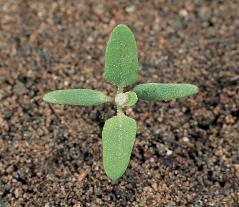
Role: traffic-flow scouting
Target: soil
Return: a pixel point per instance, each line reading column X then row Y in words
column 186, row 151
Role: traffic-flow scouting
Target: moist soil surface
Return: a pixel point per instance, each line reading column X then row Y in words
column 186, row 151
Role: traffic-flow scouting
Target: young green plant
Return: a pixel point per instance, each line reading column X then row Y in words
column 121, row 69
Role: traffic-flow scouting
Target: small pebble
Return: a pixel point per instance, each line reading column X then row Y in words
column 185, row 139
column 19, row 89
column 169, row 152
column 130, row 9
column 27, row 135
column 183, row 12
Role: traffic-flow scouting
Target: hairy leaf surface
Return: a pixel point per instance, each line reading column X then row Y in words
column 121, row 60
column 132, row 98
column 83, row 97
column 118, row 139
column 164, row 91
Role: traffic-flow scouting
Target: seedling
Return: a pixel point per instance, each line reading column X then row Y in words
column 121, row 69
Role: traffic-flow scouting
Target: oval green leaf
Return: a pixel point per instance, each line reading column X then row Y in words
column 164, row 91
column 132, row 98
column 118, row 139
column 83, row 97
column 121, row 59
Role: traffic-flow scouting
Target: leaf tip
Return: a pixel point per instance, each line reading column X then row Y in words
column 119, row 26
column 113, row 176
column 194, row 89
column 48, row 98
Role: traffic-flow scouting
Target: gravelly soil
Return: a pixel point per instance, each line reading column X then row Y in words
column 186, row 152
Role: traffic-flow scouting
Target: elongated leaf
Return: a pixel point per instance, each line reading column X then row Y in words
column 121, row 59
column 83, row 97
column 164, row 91
column 118, row 139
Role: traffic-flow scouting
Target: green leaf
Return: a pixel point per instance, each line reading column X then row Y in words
column 121, row 59
column 118, row 139
column 132, row 98
column 83, row 97
column 164, row 91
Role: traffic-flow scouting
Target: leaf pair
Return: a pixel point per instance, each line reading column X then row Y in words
column 121, row 69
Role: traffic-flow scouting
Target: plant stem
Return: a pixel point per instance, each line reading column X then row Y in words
column 119, row 108
column 110, row 99
column 120, row 89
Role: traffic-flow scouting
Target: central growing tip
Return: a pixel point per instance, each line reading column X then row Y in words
column 121, row 99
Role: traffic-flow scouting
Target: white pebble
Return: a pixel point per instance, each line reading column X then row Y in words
column 130, row 9
column 185, row 139
column 169, row 152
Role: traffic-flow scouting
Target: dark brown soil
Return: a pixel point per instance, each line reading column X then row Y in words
column 186, row 152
